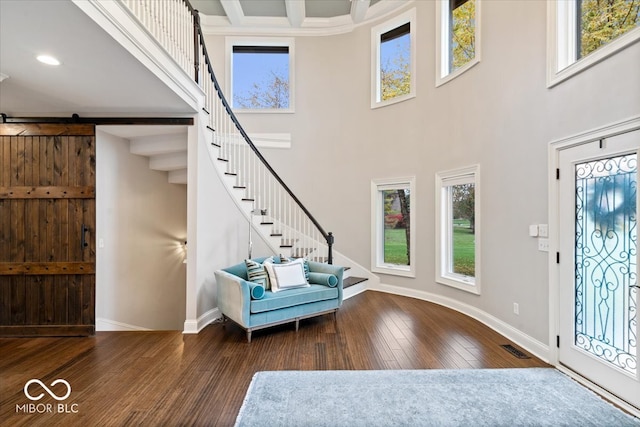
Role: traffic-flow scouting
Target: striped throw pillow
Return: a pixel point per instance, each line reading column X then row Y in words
column 257, row 274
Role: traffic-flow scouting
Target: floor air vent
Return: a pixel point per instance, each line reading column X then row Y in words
column 517, row 353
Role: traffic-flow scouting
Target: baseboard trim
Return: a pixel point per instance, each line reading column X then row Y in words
column 535, row 347
column 104, row 325
column 195, row 326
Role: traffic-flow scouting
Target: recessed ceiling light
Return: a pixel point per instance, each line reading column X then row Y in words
column 49, row 60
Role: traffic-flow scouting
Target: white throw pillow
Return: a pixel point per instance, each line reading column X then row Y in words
column 287, row 276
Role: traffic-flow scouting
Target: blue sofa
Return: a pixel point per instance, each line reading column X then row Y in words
column 235, row 299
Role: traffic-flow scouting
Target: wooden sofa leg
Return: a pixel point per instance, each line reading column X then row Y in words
column 297, row 324
column 248, row 335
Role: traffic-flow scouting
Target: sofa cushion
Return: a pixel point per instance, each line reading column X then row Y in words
column 256, row 290
column 286, row 276
column 292, row 297
column 283, row 260
column 256, row 273
column 323, row 279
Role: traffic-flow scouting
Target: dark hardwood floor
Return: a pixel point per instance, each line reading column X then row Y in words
column 170, row 379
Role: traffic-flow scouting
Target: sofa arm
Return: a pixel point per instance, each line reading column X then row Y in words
column 319, row 267
column 234, row 297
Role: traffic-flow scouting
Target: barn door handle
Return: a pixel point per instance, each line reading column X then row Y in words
column 83, row 241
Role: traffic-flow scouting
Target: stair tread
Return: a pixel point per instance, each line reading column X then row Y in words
column 266, row 223
column 222, row 160
column 239, row 187
column 353, row 280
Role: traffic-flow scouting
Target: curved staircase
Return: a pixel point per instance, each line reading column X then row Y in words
column 274, row 211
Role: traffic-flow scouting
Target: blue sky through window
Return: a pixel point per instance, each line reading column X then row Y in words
column 250, row 69
column 391, row 48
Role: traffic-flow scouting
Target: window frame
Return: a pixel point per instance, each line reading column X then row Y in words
column 443, row 43
column 444, row 235
column 288, row 42
column 377, row 226
column 408, row 17
column 562, row 33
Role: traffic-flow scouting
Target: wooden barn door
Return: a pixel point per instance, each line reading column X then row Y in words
column 47, row 226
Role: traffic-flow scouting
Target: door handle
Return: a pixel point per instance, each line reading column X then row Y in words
column 83, row 241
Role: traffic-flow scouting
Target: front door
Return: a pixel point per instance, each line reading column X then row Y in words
column 47, row 226
column 598, row 256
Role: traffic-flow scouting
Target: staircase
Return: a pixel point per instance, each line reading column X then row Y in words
column 274, row 211
column 166, row 152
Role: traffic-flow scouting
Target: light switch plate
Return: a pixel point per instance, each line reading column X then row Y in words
column 543, row 230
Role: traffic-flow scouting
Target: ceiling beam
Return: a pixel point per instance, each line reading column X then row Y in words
column 295, row 12
column 234, row 11
column 359, row 10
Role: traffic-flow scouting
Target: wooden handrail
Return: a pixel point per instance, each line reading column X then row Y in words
column 200, row 44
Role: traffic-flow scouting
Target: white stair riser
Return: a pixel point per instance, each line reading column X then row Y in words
column 168, row 162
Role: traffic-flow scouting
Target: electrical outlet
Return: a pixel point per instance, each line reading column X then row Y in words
column 516, row 308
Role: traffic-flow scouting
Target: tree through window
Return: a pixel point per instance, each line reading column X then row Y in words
column 601, row 21
column 393, row 60
column 261, row 77
column 458, row 233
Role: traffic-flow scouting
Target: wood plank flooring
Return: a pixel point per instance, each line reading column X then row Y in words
column 171, row 379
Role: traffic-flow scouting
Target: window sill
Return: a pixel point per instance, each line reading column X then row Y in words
column 622, row 42
column 394, row 270
column 460, row 71
column 392, row 101
column 459, row 283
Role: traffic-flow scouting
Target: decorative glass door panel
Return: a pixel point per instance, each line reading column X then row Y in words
column 605, row 259
column 598, row 258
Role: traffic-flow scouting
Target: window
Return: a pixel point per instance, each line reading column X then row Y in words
column 260, row 74
column 458, row 229
column 582, row 33
column 392, row 226
column 393, row 60
column 458, row 37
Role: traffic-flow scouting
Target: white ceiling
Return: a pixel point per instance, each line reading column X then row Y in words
column 98, row 77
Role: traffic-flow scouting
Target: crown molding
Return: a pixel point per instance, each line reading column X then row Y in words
column 282, row 26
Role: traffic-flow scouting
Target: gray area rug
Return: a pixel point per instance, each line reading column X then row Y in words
column 473, row 397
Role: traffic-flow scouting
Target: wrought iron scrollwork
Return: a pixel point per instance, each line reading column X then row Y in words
column 606, row 286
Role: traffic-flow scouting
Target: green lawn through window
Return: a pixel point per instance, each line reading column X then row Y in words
column 395, row 248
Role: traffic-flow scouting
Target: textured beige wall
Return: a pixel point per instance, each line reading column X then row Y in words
column 499, row 114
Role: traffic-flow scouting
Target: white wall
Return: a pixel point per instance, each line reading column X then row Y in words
column 218, row 231
column 500, row 114
column 142, row 219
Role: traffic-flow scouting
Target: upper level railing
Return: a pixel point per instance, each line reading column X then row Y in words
column 176, row 26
